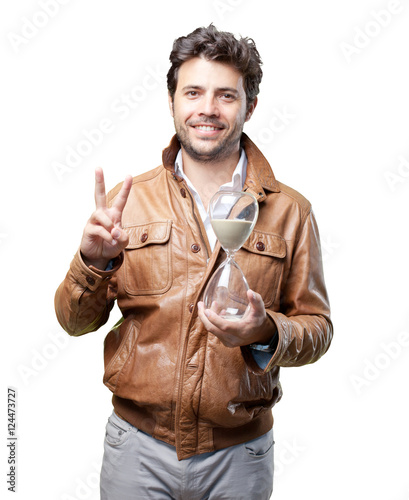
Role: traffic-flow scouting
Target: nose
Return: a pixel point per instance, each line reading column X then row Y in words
column 208, row 106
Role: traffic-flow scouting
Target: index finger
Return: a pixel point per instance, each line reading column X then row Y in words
column 100, row 196
column 122, row 196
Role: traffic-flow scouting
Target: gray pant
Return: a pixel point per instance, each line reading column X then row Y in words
column 137, row 466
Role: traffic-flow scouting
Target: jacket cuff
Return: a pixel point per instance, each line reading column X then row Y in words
column 91, row 277
column 280, row 321
column 251, row 360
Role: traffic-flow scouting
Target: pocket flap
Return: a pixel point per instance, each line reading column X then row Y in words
column 141, row 235
column 266, row 244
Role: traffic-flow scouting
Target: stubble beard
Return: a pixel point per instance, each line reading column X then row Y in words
column 221, row 150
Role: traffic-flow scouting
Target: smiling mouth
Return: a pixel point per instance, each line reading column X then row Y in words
column 206, row 128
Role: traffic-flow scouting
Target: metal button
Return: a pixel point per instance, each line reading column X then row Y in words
column 260, row 246
column 144, row 237
column 191, row 308
column 195, row 248
column 183, row 192
column 90, row 280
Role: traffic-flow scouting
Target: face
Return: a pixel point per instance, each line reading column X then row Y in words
column 209, row 109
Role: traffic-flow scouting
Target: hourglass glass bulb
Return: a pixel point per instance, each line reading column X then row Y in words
column 226, row 293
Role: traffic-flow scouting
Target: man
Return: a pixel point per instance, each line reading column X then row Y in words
column 193, row 392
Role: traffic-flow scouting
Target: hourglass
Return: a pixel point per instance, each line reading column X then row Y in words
column 233, row 215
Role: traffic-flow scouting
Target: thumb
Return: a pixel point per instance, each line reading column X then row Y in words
column 255, row 300
column 116, row 232
column 120, row 236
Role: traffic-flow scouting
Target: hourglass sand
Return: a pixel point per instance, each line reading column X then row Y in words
column 233, row 215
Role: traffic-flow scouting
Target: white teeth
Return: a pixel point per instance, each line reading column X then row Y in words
column 203, row 127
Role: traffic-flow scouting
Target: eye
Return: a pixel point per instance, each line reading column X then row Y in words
column 227, row 97
column 192, row 93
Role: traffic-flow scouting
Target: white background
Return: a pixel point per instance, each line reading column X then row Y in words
column 341, row 428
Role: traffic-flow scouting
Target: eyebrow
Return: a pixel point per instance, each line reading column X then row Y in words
column 231, row 90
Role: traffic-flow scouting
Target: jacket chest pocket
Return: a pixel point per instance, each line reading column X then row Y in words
column 148, row 263
column 262, row 261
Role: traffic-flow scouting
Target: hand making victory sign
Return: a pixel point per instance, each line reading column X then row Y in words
column 103, row 238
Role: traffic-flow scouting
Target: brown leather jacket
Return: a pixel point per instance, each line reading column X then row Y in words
column 169, row 377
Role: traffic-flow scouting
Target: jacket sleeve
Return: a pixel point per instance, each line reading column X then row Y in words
column 85, row 298
column 303, row 322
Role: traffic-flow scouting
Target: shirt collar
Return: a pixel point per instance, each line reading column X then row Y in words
column 238, row 177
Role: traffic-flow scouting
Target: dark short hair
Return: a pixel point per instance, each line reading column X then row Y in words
column 220, row 46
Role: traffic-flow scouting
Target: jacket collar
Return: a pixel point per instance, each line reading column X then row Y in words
column 260, row 176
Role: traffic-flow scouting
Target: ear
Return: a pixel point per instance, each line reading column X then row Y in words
column 251, row 109
column 170, row 101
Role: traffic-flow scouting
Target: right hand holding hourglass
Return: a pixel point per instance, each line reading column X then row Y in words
column 255, row 327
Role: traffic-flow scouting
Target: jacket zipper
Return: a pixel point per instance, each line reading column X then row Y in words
column 183, row 355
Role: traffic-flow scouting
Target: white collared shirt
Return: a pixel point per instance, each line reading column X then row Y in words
column 236, row 184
